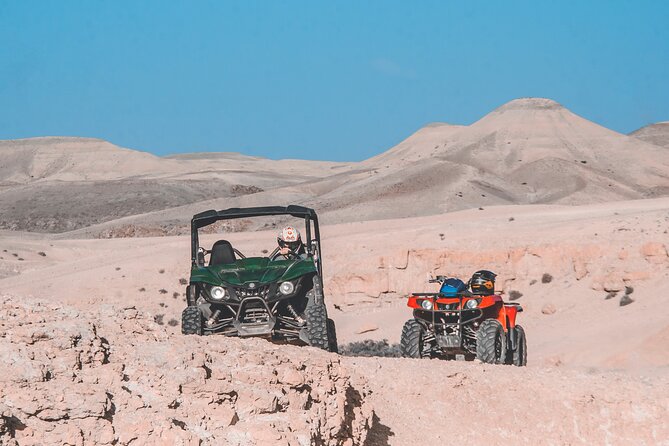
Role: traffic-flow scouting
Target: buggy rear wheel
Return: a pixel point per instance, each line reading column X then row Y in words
column 332, row 337
column 520, row 354
column 491, row 342
column 411, row 342
column 191, row 321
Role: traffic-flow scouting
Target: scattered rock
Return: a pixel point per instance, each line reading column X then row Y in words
column 548, row 309
column 367, row 328
column 515, row 295
column 611, row 295
column 626, row 300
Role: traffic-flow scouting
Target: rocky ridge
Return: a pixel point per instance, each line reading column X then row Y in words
column 117, row 377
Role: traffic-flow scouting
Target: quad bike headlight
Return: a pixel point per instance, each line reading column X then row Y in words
column 286, row 288
column 217, row 293
column 471, row 304
column 426, row 304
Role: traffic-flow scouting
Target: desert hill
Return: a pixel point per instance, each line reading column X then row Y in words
column 657, row 134
column 528, row 151
column 57, row 184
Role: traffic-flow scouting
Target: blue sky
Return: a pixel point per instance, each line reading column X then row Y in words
column 340, row 80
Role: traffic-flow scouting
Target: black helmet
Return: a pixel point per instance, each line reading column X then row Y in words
column 482, row 283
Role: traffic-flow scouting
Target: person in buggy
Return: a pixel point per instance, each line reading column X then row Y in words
column 290, row 245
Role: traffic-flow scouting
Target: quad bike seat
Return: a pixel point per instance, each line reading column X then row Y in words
column 222, row 253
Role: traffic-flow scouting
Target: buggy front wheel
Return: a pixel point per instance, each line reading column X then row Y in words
column 191, row 321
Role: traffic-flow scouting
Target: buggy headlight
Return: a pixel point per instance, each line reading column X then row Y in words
column 426, row 304
column 217, row 293
column 471, row 304
column 286, row 288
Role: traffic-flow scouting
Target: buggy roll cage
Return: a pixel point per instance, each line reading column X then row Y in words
column 209, row 217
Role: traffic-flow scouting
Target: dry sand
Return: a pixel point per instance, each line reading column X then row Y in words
column 596, row 371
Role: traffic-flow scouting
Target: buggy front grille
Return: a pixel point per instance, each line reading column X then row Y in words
column 243, row 292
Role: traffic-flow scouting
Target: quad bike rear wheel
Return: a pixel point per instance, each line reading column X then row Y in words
column 491, row 342
column 191, row 321
column 411, row 342
column 520, row 354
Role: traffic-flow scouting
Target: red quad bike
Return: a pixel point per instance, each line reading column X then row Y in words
column 464, row 319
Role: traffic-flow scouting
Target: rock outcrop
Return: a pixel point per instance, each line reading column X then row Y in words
column 116, row 377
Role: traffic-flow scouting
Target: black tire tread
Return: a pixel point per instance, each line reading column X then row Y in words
column 317, row 324
column 412, row 336
column 520, row 355
column 333, row 347
column 486, row 337
column 191, row 321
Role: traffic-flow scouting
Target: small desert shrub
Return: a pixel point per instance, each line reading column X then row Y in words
column 159, row 319
column 118, row 268
column 161, row 271
column 173, row 323
column 533, row 281
column 369, row 347
column 175, row 295
column 183, row 281
column 142, row 289
column 41, row 253
column 511, row 219
column 264, row 251
column 162, row 291
column 515, row 295
column 546, row 278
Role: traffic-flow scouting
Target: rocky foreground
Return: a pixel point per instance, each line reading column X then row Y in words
column 117, row 377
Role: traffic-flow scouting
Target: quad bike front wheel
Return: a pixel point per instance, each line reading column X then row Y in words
column 520, row 354
column 191, row 321
column 411, row 342
column 491, row 342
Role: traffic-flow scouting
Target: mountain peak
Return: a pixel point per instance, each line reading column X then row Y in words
column 530, row 104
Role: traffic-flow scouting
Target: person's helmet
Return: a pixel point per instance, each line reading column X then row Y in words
column 482, row 283
column 289, row 237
